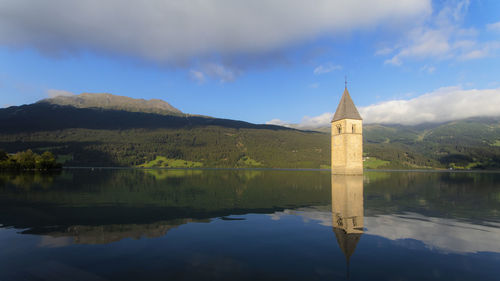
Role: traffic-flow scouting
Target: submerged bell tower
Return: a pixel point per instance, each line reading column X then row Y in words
column 347, row 138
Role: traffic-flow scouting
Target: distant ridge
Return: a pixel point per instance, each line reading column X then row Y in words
column 114, row 102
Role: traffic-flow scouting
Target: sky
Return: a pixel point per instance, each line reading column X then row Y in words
column 274, row 61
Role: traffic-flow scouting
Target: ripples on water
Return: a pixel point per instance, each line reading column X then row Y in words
column 249, row 224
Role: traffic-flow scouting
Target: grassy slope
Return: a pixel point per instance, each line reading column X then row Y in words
column 163, row 162
column 374, row 163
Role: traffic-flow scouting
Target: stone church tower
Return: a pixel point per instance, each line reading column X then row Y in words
column 347, row 138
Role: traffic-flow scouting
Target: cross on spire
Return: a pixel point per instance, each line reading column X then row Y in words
column 345, row 81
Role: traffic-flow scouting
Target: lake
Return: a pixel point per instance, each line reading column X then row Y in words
column 130, row 224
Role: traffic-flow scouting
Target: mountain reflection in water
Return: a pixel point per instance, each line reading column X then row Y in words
column 249, row 224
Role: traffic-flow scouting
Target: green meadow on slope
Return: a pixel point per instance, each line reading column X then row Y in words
column 164, row 162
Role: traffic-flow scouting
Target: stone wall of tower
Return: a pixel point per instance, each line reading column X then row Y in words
column 347, row 147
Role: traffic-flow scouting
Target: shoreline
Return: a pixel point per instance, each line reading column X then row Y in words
column 283, row 169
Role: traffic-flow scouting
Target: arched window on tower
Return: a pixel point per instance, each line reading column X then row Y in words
column 353, row 128
column 339, row 129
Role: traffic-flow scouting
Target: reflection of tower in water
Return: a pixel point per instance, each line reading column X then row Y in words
column 347, row 212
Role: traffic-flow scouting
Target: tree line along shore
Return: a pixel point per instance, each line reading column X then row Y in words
column 28, row 160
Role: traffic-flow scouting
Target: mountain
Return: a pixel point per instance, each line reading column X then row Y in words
column 472, row 143
column 101, row 135
column 108, row 130
column 109, row 101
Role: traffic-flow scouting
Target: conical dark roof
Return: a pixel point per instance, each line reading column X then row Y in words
column 346, row 108
column 347, row 241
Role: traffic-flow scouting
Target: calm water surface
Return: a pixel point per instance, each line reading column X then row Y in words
column 96, row 224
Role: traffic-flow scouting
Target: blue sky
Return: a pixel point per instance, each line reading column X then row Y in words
column 258, row 61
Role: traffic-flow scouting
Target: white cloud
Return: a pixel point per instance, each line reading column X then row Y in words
column 220, row 72
column 307, row 122
column 424, row 43
column 493, row 26
column 176, row 31
column 214, row 71
column 326, row 68
column 314, row 85
column 428, row 68
column 445, row 104
column 384, row 51
column 197, row 76
column 484, row 50
column 278, row 122
column 441, row 105
column 52, row 93
column 394, row 61
column 315, row 121
column 442, row 37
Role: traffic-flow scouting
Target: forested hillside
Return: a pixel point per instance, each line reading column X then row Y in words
column 465, row 144
column 103, row 136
